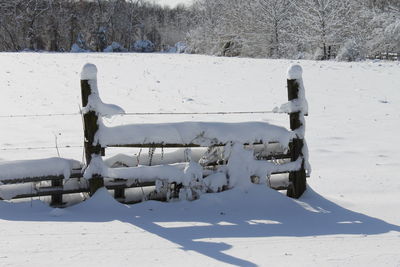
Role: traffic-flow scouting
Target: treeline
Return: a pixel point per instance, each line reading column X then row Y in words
column 56, row 25
column 319, row 29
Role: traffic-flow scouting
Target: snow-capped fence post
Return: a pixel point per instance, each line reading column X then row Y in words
column 90, row 123
column 295, row 88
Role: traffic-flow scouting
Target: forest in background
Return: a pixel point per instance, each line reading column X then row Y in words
column 310, row 29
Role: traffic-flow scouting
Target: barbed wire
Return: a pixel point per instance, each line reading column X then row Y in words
column 39, row 115
column 122, row 114
column 145, row 114
column 199, row 113
column 39, row 148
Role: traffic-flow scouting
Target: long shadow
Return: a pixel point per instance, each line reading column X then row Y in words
column 259, row 212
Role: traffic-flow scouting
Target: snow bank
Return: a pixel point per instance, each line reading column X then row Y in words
column 199, row 133
column 37, row 168
column 89, row 72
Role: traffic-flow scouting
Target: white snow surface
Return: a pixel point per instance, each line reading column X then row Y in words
column 347, row 217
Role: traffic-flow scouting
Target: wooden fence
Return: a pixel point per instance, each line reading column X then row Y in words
column 88, row 178
column 393, row 56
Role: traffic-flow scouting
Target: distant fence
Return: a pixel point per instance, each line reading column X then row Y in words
column 276, row 151
column 394, row 56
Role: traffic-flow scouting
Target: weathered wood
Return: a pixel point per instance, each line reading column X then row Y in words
column 297, row 179
column 39, row 179
column 57, row 198
column 49, row 191
column 119, row 193
column 167, row 145
column 90, row 121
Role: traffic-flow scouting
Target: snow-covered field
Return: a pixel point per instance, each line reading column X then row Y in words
column 349, row 216
column 172, row 3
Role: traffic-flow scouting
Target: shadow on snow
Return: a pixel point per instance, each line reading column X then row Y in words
column 238, row 213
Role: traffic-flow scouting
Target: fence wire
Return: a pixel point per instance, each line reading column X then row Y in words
column 39, row 148
column 145, row 114
column 122, row 114
column 39, row 115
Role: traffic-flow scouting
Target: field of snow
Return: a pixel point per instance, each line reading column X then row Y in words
column 349, row 216
column 172, row 3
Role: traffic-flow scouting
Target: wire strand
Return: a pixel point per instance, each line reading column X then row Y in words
column 38, row 115
column 144, row 114
column 198, row 113
column 38, row 148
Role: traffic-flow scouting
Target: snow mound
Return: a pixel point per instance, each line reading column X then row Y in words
column 101, row 202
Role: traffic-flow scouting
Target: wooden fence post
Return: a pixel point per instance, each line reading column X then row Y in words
column 90, row 121
column 297, row 179
column 57, row 199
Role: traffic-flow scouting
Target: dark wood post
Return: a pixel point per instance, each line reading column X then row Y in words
column 119, row 193
column 57, row 198
column 297, row 179
column 90, row 121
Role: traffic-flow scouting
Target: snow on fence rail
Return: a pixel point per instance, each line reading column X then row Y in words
column 232, row 154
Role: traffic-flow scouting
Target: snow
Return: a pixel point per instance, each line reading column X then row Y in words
column 347, row 217
column 144, row 46
column 115, row 47
column 37, row 168
column 75, row 48
column 89, row 72
column 201, row 133
column 294, row 72
column 173, row 3
column 158, row 158
column 300, row 104
column 170, row 173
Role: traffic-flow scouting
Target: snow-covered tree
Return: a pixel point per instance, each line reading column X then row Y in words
column 323, row 24
column 275, row 18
